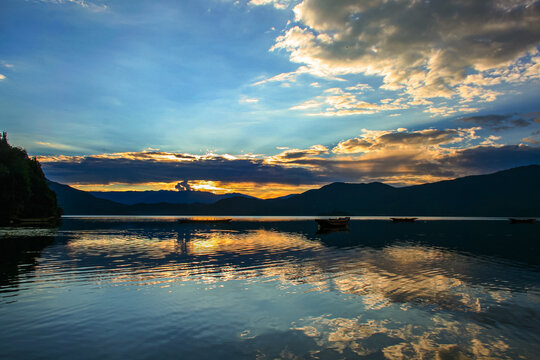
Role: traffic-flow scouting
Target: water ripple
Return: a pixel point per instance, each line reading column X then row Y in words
column 246, row 290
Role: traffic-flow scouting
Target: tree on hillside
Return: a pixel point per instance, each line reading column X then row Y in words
column 24, row 192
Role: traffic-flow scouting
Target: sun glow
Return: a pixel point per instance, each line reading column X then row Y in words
column 262, row 191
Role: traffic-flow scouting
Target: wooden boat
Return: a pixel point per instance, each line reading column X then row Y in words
column 413, row 219
column 204, row 221
column 521, row 221
column 341, row 222
column 51, row 221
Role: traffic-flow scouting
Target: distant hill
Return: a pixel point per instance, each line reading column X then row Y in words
column 24, row 192
column 513, row 192
column 162, row 196
column 77, row 202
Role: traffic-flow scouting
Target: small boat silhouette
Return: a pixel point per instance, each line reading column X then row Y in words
column 413, row 219
column 341, row 222
column 51, row 221
column 203, row 221
column 521, row 221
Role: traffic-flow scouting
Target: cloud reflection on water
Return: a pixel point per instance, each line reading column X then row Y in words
column 400, row 273
column 411, row 300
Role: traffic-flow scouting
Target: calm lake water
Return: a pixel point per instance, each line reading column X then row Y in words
column 149, row 288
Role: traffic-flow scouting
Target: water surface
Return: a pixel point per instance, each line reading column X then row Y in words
column 146, row 287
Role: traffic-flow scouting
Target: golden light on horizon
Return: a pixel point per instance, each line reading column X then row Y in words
column 262, row 191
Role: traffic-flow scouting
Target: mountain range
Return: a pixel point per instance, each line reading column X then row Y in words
column 163, row 196
column 513, row 192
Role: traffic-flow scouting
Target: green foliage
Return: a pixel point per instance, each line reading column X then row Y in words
column 24, row 192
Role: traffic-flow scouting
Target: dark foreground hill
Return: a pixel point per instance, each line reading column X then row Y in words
column 513, row 192
column 24, row 192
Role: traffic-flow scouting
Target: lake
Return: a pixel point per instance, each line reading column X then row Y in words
column 266, row 288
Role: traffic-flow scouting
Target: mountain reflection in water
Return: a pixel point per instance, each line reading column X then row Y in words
column 149, row 287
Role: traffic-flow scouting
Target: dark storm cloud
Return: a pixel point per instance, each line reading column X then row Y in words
column 398, row 167
column 425, row 137
column 183, row 186
column 297, row 154
column 500, row 122
column 487, row 159
column 106, row 170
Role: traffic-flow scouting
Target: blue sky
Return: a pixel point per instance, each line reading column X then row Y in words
column 275, row 83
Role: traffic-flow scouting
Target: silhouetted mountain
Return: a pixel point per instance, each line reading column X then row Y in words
column 162, row 196
column 23, row 190
column 513, row 192
column 77, row 202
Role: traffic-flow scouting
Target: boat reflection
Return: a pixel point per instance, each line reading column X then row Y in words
column 326, row 230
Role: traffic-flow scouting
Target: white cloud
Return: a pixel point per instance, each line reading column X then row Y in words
column 293, row 75
column 2, row 77
column 306, row 105
column 443, row 110
column 91, row 6
column 469, row 93
column 246, row 100
column 401, row 140
column 491, row 141
column 55, row 145
column 278, row 4
column 338, row 102
column 427, row 48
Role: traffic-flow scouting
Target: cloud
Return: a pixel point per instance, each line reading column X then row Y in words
column 403, row 157
column 142, row 167
column 2, row 77
column 420, row 166
column 278, row 4
column 309, row 104
column 534, row 137
column 485, row 159
column 89, row 5
column 427, row 48
column 298, row 154
column 469, row 93
column 352, row 146
column 530, row 140
column 399, row 157
column 291, row 77
column 56, row 145
column 183, row 186
column 246, row 100
column 535, row 116
column 400, row 139
column 501, row 122
column 339, row 102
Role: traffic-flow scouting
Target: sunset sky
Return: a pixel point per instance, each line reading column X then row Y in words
column 270, row 97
